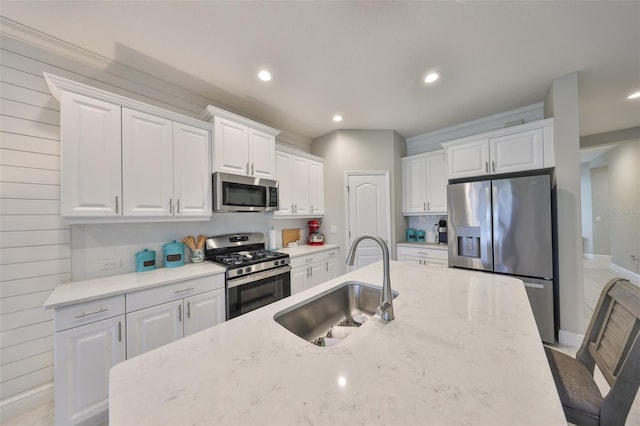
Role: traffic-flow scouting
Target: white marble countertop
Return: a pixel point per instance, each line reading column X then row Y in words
column 83, row 291
column 463, row 349
column 306, row 250
column 423, row 244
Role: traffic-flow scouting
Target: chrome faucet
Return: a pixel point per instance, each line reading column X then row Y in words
column 385, row 310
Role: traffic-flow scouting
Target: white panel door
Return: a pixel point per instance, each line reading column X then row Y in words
column 91, row 157
column 147, row 164
column 316, row 187
column 300, row 188
column 262, row 152
column 368, row 213
column 284, row 167
column 203, row 311
column 191, row 171
column 414, row 182
column 231, row 142
column 83, row 357
column 153, row 327
column 517, row 152
column 436, row 182
column 470, row 159
column 298, row 279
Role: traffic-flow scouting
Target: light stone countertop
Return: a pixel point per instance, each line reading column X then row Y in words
column 423, row 244
column 463, row 349
column 306, row 250
column 86, row 290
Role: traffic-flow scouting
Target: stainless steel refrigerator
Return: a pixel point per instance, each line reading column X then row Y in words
column 505, row 226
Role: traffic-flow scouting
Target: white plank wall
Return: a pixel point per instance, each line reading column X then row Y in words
column 35, row 251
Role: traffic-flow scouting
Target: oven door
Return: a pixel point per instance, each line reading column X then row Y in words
column 245, row 294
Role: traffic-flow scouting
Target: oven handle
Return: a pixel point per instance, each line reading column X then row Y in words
column 235, row 282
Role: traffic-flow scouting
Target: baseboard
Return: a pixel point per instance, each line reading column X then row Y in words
column 570, row 339
column 625, row 273
column 600, row 257
column 26, row 401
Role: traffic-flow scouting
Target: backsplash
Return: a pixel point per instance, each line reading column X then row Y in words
column 103, row 250
column 426, row 223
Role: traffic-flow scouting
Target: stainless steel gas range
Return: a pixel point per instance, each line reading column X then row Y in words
column 255, row 277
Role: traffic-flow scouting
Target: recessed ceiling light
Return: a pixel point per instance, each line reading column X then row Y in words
column 337, row 118
column 635, row 95
column 264, row 75
column 431, row 77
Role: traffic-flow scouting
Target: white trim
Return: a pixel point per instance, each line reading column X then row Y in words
column 56, row 84
column 570, row 339
column 625, row 273
column 387, row 183
column 211, row 111
column 598, row 257
column 431, row 141
column 26, row 401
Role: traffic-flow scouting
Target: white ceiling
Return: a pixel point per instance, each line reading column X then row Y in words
column 366, row 60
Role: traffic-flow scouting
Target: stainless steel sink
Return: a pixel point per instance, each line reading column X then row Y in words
column 311, row 319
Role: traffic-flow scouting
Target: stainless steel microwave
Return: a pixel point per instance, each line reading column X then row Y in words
column 235, row 193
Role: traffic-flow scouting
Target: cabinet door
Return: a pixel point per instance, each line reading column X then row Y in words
column 90, row 135
column 331, row 267
column 191, row 171
column 298, row 279
column 153, row 327
column 470, row 159
column 83, row 357
column 231, row 152
column 415, row 260
column 147, row 164
column 316, row 187
column 517, row 152
column 414, row 181
column 284, row 162
column 203, row 311
column 262, row 154
column 317, row 274
column 300, row 187
column 436, row 182
column 437, row 263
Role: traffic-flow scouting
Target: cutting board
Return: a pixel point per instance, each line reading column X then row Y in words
column 290, row 235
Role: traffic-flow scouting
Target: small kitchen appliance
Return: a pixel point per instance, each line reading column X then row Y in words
column 254, row 277
column 315, row 237
column 173, row 254
column 145, row 260
column 442, row 231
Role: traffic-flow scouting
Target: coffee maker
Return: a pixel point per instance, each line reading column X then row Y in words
column 442, row 231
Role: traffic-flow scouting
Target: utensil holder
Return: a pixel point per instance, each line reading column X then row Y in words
column 197, row 256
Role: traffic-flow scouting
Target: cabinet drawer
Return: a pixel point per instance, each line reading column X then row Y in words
column 88, row 312
column 423, row 252
column 166, row 293
column 299, row 261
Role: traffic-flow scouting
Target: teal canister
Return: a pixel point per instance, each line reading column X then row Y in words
column 173, row 254
column 145, row 260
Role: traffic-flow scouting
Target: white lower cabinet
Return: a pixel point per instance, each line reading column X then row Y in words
column 92, row 337
column 423, row 256
column 83, row 355
column 311, row 270
column 161, row 315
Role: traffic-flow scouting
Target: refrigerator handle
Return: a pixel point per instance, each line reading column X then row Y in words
column 497, row 235
column 487, row 237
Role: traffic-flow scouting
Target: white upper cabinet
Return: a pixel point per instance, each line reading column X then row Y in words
column 91, row 157
column 300, row 184
column 424, row 184
column 526, row 147
column 147, row 164
column 242, row 146
column 123, row 160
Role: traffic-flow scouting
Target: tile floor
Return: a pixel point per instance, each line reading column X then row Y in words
column 596, row 275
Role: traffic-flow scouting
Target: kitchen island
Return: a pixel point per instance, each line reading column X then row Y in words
column 463, row 349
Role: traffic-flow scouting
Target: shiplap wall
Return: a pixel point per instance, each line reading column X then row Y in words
column 34, row 239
